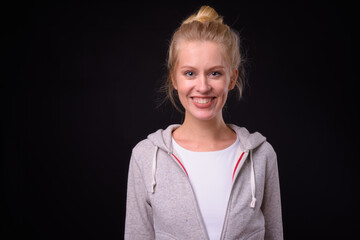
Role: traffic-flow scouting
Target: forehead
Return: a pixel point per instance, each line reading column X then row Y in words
column 200, row 53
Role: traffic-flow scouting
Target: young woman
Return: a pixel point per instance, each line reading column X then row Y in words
column 203, row 179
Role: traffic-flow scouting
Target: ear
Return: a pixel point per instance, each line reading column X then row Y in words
column 233, row 78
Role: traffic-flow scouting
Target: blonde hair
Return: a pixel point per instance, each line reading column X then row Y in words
column 207, row 25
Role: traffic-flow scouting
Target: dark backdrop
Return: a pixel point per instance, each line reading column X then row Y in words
column 79, row 89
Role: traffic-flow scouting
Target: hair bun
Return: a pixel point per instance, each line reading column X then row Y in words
column 205, row 14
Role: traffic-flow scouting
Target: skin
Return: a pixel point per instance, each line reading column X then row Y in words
column 203, row 79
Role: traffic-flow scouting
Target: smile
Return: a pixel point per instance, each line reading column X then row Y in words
column 202, row 100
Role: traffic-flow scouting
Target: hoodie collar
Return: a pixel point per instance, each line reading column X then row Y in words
column 248, row 141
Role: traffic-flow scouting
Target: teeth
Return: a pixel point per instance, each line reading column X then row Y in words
column 202, row 100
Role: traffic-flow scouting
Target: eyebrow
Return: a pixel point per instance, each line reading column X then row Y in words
column 214, row 67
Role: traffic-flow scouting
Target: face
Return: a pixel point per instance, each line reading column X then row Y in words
column 202, row 78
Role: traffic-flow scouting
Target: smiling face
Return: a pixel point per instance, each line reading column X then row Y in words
column 202, row 78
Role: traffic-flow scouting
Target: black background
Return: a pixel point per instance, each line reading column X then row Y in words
column 79, row 89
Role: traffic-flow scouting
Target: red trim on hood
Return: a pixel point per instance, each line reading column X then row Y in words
column 180, row 164
column 237, row 164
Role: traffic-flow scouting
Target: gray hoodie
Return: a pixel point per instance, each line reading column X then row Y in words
column 161, row 203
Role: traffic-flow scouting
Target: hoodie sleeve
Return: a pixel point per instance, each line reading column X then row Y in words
column 271, row 206
column 139, row 220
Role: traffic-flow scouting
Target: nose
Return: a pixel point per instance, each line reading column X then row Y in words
column 202, row 84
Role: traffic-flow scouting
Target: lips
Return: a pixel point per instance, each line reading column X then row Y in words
column 203, row 102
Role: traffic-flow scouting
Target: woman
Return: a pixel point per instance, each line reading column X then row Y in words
column 203, row 179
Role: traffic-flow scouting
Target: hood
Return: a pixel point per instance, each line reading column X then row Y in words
column 248, row 141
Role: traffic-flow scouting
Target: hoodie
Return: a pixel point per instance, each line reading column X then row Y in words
column 161, row 203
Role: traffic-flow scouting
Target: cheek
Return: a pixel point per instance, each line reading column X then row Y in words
column 183, row 86
column 221, row 88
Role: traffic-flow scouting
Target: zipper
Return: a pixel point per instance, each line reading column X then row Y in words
column 226, row 219
column 199, row 216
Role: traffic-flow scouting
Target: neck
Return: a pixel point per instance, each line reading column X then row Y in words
column 199, row 135
column 212, row 129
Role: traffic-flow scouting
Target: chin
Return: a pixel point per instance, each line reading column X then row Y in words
column 204, row 115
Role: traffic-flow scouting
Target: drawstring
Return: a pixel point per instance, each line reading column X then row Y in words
column 252, row 182
column 154, row 170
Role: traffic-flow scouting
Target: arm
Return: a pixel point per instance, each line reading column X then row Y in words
column 139, row 221
column 271, row 206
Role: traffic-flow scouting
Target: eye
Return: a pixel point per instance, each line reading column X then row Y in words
column 215, row 74
column 189, row 73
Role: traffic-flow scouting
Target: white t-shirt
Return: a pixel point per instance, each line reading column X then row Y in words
column 210, row 174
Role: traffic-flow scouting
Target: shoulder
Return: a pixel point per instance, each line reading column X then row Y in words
column 256, row 142
column 160, row 138
column 143, row 148
column 267, row 149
